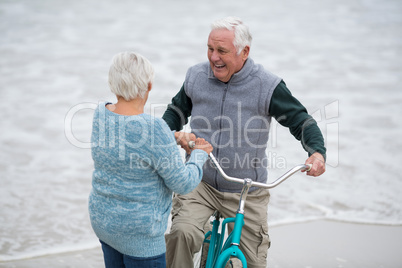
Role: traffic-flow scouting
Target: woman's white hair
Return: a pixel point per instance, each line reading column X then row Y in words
column 242, row 36
column 129, row 75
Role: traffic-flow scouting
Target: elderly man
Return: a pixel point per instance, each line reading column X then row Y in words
column 231, row 101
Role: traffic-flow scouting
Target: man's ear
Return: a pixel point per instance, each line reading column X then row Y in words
column 245, row 52
column 149, row 86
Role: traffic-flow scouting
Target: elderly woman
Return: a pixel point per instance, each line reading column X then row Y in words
column 137, row 168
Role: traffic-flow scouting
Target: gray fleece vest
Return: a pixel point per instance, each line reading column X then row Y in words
column 234, row 118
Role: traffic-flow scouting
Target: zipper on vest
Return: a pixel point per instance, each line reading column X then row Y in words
column 220, row 133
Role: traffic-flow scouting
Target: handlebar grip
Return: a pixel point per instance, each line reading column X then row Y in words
column 309, row 167
column 191, row 144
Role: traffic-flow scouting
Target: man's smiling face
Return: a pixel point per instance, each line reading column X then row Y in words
column 222, row 54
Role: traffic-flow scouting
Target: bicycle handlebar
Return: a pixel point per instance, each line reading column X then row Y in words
column 273, row 184
column 259, row 184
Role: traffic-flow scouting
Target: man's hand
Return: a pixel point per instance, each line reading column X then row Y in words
column 318, row 162
column 203, row 145
column 182, row 139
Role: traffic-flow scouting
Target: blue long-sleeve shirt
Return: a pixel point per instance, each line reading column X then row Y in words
column 137, row 167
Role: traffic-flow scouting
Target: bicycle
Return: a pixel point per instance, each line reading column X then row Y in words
column 220, row 250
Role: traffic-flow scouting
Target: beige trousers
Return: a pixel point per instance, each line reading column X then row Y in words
column 190, row 212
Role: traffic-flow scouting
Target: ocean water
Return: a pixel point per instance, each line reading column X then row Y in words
column 342, row 59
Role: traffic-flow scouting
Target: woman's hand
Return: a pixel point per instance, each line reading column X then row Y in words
column 183, row 139
column 202, row 144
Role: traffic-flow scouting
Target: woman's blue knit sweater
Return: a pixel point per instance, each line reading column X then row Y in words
column 137, row 168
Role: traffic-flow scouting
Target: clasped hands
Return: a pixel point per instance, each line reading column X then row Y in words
column 183, row 139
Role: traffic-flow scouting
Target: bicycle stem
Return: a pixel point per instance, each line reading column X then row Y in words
column 243, row 196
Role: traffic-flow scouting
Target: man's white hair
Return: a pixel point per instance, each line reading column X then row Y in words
column 242, row 36
column 129, row 75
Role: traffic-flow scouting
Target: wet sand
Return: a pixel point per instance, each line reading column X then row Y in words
column 314, row 244
column 320, row 244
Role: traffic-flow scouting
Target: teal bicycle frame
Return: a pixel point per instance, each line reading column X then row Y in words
column 220, row 252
